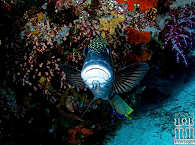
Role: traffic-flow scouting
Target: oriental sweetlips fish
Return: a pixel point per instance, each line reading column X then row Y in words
column 99, row 76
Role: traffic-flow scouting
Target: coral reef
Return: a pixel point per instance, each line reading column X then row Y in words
column 38, row 37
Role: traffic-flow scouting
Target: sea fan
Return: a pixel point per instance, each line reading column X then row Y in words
column 178, row 31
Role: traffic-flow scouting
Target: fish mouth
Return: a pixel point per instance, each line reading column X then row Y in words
column 95, row 72
column 97, row 69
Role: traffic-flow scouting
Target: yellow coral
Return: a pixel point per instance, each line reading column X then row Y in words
column 42, row 80
column 47, row 85
column 35, row 32
column 114, row 14
column 119, row 19
column 111, row 23
column 155, row 13
column 103, row 34
column 104, row 24
column 112, row 30
column 40, row 16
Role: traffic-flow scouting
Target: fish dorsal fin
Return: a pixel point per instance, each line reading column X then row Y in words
column 73, row 75
column 129, row 76
column 94, row 99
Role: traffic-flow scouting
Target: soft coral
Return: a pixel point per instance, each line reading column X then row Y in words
column 178, row 32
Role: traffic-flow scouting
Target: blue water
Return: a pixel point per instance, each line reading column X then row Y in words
column 156, row 126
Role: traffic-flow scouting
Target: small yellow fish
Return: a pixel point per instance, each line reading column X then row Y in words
column 121, row 106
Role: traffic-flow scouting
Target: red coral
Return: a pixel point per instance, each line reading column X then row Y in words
column 144, row 57
column 144, row 4
column 136, row 37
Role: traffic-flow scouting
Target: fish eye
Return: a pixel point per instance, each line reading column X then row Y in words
column 108, row 50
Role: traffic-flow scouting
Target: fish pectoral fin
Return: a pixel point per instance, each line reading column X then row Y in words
column 73, row 75
column 130, row 76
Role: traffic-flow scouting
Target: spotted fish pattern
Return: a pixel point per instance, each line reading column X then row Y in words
column 98, row 46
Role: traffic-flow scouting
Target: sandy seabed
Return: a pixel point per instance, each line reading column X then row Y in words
column 156, row 126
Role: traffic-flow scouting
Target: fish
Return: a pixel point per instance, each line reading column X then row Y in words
column 100, row 77
column 121, row 106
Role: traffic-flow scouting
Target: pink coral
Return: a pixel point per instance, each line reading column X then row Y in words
column 178, row 32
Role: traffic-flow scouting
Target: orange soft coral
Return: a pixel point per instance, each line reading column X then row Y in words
column 73, row 139
column 86, row 132
column 136, row 37
column 144, row 4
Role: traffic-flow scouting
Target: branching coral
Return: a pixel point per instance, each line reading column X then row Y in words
column 178, row 31
column 39, row 30
column 109, row 25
